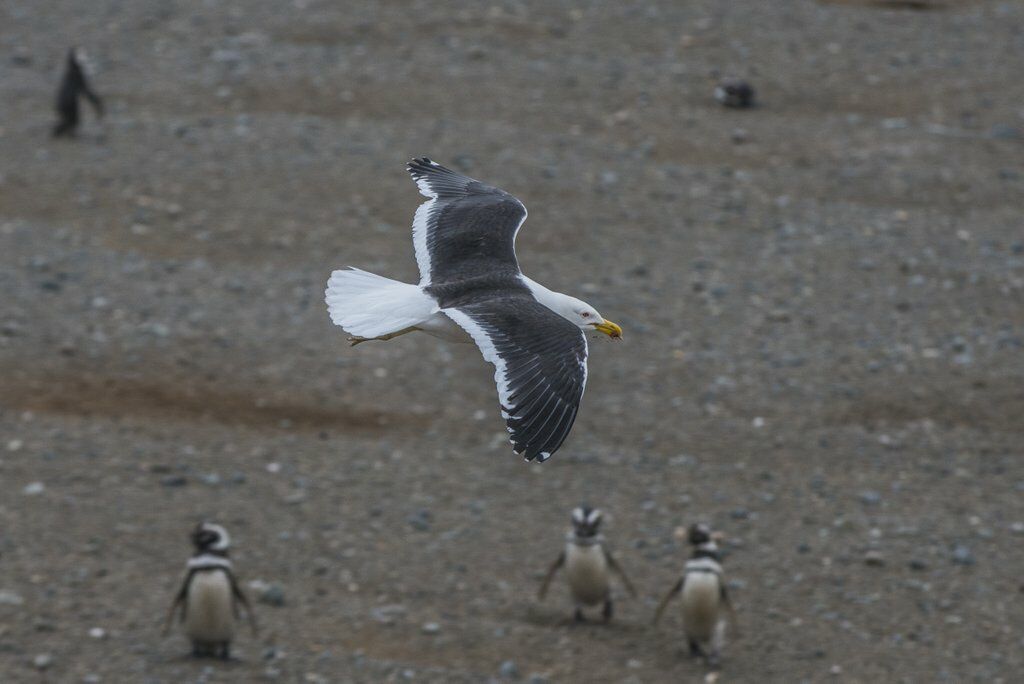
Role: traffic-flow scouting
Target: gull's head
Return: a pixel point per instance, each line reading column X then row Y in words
column 586, row 317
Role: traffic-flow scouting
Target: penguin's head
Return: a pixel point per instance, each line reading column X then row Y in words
column 210, row 538
column 586, row 521
column 700, row 533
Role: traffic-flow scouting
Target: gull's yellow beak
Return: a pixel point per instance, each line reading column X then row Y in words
column 610, row 329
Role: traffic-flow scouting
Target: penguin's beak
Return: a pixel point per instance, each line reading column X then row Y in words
column 610, row 329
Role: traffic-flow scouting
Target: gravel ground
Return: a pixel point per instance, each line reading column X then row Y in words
column 822, row 299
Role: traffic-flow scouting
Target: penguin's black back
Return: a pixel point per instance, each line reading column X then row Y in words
column 72, row 85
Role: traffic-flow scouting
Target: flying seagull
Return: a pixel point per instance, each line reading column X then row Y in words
column 471, row 288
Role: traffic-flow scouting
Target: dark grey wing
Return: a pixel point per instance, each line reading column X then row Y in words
column 466, row 228
column 540, row 367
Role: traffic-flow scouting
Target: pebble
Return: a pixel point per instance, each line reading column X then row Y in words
column 269, row 593
column 10, row 598
column 420, row 520
column 42, row 661
column 33, row 488
column 874, row 558
column 98, row 633
column 962, row 555
column 733, row 92
column 174, row 481
column 430, row 628
column 870, row 497
column 509, row 670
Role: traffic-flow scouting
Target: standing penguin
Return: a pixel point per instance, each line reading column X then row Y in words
column 72, row 85
column 209, row 597
column 704, row 599
column 588, row 565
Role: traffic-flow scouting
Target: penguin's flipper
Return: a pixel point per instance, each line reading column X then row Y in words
column 94, row 99
column 729, row 610
column 676, row 588
column 179, row 602
column 240, row 598
column 559, row 562
column 617, row 569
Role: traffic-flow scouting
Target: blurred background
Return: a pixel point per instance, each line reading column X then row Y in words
column 821, row 296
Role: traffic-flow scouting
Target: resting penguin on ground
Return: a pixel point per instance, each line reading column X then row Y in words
column 72, row 86
column 209, row 597
column 704, row 599
column 588, row 565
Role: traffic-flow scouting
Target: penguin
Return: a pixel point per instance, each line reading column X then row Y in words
column 72, row 85
column 588, row 564
column 209, row 597
column 705, row 601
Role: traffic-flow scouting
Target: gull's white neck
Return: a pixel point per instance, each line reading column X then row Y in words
column 556, row 301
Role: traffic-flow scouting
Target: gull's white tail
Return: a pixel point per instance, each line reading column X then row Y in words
column 368, row 305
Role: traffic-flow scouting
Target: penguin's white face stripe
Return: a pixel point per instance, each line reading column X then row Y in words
column 577, row 515
column 208, row 560
column 594, row 516
column 223, row 540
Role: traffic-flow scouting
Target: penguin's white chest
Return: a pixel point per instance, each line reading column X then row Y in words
column 701, row 601
column 209, row 617
column 586, row 570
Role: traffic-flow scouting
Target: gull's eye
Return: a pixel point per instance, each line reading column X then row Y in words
column 585, row 314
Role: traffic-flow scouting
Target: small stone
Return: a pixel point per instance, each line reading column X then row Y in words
column 874, row 558
column 269, row 593
column 387, row 614
column 870, row 497
column 430, row 628
column 962, row 555
column 733, row 92
column 509, row 670
column 42, row 661
column 98, row 633
column 174, row 481
column 634, row 664
column 33, row 488
column 420, row 520
column 10, row 598
column 917, row 564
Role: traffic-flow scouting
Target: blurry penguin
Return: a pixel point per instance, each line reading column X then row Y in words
column 705, row 603
column 73, row 85
column 588, row 565
column 210, row 597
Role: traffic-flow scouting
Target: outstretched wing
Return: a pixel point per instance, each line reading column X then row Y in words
column 466, row 228
column 540, row 367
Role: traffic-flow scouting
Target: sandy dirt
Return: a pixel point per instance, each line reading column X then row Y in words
column 823, row 300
